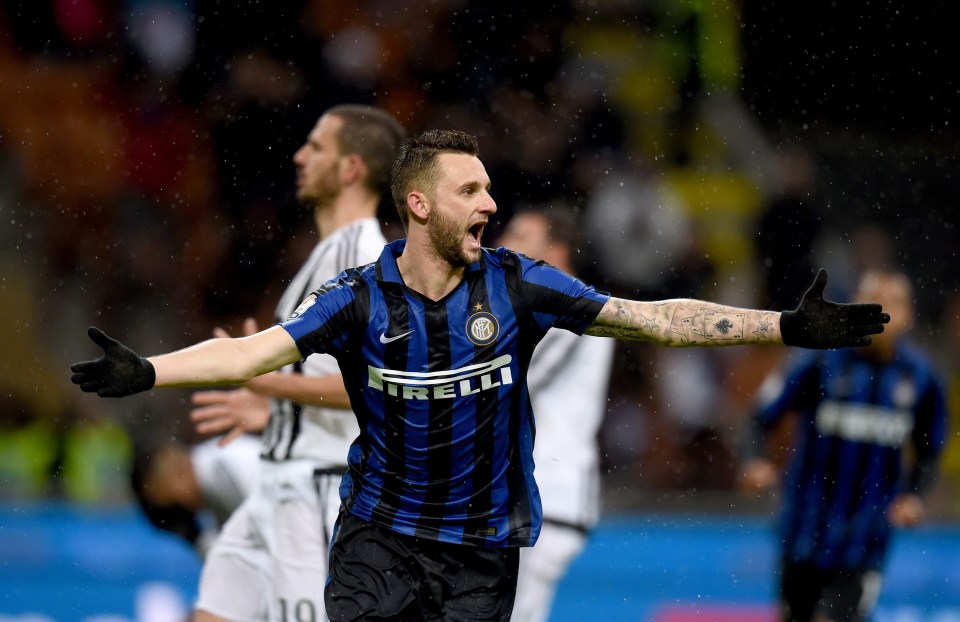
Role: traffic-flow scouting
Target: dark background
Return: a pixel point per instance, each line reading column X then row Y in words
column 152, row 195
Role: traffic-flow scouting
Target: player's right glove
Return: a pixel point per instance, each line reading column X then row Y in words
column 119, row 372
column 821, row 324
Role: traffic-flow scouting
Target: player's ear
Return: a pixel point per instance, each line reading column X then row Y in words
column 419, row 206
column 352, row 168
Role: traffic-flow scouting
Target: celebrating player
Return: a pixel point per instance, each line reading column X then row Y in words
column 434, row 341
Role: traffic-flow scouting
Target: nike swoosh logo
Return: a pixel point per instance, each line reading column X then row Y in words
column 385, row 340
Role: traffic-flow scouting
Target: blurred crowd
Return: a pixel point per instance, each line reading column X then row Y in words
column 147, row 188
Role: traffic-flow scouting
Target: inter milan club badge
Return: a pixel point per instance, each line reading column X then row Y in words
column 482, row 327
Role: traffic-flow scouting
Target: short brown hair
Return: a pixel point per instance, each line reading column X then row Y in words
column 563, row 226
column 374, row 135
column 416, row 166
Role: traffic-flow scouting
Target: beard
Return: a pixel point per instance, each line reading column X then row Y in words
column 322, row 191
column 447, row 240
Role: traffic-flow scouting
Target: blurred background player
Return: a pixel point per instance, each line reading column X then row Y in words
column 862, row 411
column 567, row 378
column 343, row 169
column 191, row 491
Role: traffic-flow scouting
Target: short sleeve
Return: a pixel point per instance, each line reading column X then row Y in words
column 558, row 299
column 323, row 321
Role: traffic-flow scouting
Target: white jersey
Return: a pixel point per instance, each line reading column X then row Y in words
column 568, row 379
column 312, row 432
column 226, row 474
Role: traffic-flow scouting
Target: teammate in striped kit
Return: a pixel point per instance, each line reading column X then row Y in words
column 568, row 379
column 858, row 411
column 343, row 170
column 434, row 341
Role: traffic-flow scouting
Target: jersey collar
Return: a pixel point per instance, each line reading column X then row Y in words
column 389, row 272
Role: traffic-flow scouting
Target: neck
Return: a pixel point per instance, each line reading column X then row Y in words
column 424, row 272
column 348, row 207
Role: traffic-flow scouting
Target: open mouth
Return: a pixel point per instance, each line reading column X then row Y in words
column 475, row 232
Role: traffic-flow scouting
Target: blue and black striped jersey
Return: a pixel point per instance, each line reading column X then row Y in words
column 439, row 389
column 856, row 419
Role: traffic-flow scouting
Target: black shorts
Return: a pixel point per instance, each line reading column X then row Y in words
column 841, row 595
column 378, row 574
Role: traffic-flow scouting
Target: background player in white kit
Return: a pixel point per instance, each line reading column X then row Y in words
column 568, row 380
column 342, row 171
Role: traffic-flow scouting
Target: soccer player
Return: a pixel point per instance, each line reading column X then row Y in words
column 858, row 410
column 343, row 170
column 434, row 341
column 568, row 379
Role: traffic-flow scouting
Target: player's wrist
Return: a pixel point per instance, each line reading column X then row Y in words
column 148, row 374
column 790, row 327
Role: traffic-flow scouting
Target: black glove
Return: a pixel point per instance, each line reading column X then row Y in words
column 119, row 372
column 818, row 323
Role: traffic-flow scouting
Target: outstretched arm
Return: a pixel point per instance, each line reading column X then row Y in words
column 327, row 391
column 685, row 322
column 221, row 361
column 815, row 323
column 246, row 409
column 120, row 371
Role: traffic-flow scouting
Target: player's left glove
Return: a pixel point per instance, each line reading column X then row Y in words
column 119, row 372
column 821, row 324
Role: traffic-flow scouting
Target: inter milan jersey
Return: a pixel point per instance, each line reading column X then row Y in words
column 439, row 390
column 856, row 419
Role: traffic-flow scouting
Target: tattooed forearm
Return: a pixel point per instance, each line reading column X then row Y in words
column 685, row 323
column 764, row 326
column 621, row 314
column 705, row 323
column 632, row 320
column 616, row 320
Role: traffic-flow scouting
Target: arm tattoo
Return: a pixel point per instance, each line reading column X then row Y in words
column 702, row 324
column 614, row 322
column 683, row 323
column 622, row 319
column 622, row 315
column 764, row 326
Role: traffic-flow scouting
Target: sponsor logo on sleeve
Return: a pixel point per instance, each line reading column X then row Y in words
column 306, row 304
